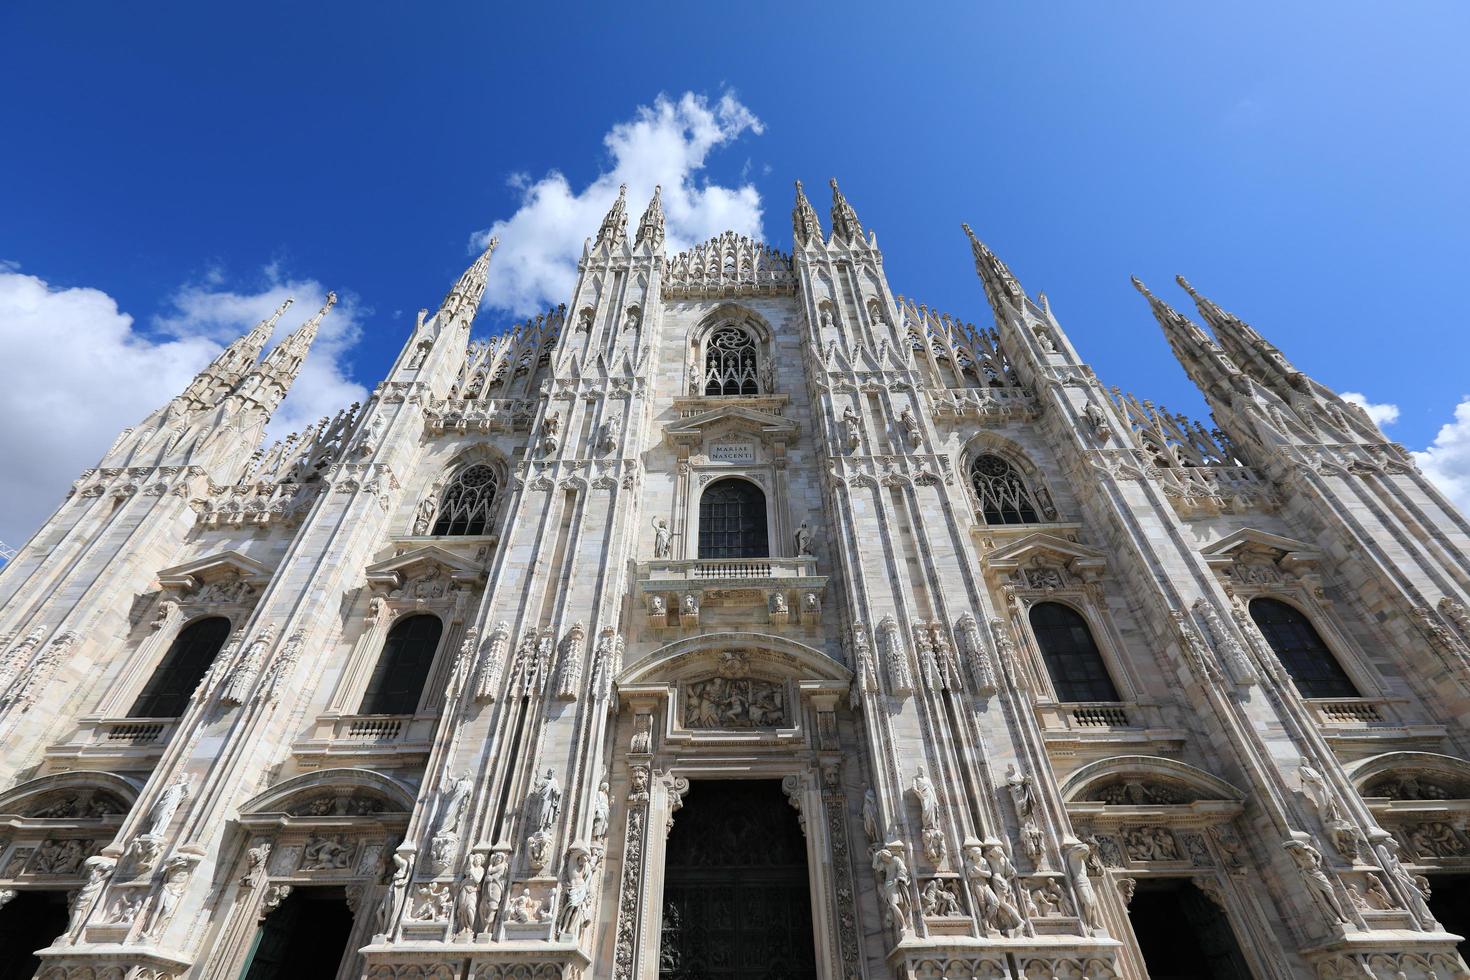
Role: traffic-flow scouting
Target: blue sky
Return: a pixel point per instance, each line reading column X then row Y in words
column 172, row 170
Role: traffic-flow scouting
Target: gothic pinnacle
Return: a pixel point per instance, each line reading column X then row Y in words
column 845, row 224
column 614, row 230
column 1000, row 285
column 806, row 229
column 651, row 227
column 232, row 363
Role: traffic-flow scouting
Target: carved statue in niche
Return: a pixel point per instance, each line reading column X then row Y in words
column 601, row 810
column 423, row 520
column 607, row 433
column 872, row 821
column 803, row 540
column 431, row 902
column 99, row 871
column 1048, row 899
column 255, row 863
column 933, row 835
column 663, row 538
column 893, row 884
column 851, row 427
column 175, row 879
column 1088, row 907
column 573, row 912
column 550, row 427
column 734, row 702
column 393, row 895
column 910, row 425
column 1019, row 785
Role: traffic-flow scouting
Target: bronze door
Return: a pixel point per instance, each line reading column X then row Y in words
column 737, row 905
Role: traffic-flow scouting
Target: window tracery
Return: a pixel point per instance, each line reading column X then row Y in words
column 1004, row 496
column 467, row 505
column 732, row 521
column 731, row 363
column 181, row 669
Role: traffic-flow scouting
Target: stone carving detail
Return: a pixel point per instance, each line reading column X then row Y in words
column 1088, row 907
column 1150, row 844
column 607, row 663
column 1139, row 792
column 663, row 538
column 524, row 908
column 144, row 848
column 1436, row 839
column 724, row 702
column 454, row 801
column 976, row 654
column 863, row 667
column 1023, row 797
column 327, row 854
column 895, row 656
column 543, row 805
column 255, row 858
column 933, row 835
column 176, row 872
column 1411, row 786
column 432, row 901
column 574, row 909
column 1308, row 862
column 1414, row 888
column 99, row 872
column 893, row 888
column 492, row 889
column 492, row 661
column 569, row 674
column 991, row 891
column 851, row 428
column 60, row 857
column 241, row 679
column 628, row 892
column 23, row 690
column 1005, row 649
column 1047, row 898
column 395, row 894
column 1346, row 839
column 1226, row 645
column 938, row 899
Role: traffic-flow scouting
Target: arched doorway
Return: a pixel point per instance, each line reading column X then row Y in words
column 305, row 937
column 28, row 922
column 1182, row 934
column 737, row 904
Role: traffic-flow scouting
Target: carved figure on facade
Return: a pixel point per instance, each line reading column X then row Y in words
column 492, row 889
column 396, row 891
column 176, row 872
column 467, row 896
column 432, row 901
column 601, row 810
column 893, row 887
column 1021, row 790
column 895, row 656
column 938, row 899
column 993, row 907
column 255, row 858
column 722, row 702
column 1308, row 861
column 323, row 853
column 851, row 428
column 1415, row 888
column 574, row 910
column 663, row 538
column 1088, row 907
column 524, row 908
column 99, row 872
column 872, row 818
column 933, row 835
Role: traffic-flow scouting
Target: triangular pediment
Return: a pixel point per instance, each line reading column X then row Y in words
column 393, row 572
column 223, row 564
column 1232, row 545
column 1041, row 546
column 737, row 418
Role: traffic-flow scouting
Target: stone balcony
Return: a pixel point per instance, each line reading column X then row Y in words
column 357, row 737
column 780, row 591
column 102, row 743
column 1085, row 727
column 1380, row 723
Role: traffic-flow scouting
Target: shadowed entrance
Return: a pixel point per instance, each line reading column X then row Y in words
column 305, row 937
column 737, row 905
column 1182, row 934
column 29, row 922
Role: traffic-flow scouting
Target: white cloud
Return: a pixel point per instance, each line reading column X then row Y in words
column 1384, row 414
column 79, row 371
column 1447, row 460
column 667, row 144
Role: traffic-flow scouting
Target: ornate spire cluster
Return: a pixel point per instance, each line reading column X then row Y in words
column 651, row 227
column 232, row 364
column 614, row 230
column 805, row 228
column 1201, row 357
column 845, row 224
column 1239, row 339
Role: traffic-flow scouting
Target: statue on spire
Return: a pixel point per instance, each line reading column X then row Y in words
column 614, row 230
column 651, row 227
column 805, row 228
column 845, row 224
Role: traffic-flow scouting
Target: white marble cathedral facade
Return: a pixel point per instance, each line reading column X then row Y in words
column 441, row 677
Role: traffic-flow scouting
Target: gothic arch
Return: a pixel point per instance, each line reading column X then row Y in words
column 675, row 659
column 1148, row 768
column 360, row 783
column 429, row 510
column 991, row 444
column 754, row 328
column 1447, row 772
column 28, row 795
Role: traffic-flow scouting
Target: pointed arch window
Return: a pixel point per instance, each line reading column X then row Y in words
column 1076, row 666
column 398, row 681
column 182, row 668
column 468, row 503
column 732, row 521
column 1004, row 496
column 730, row 363
column 1301, row 650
